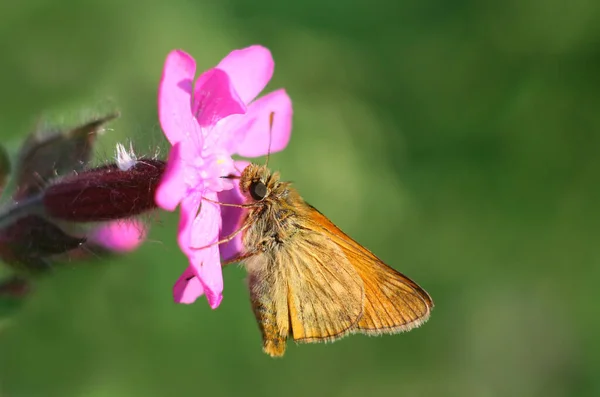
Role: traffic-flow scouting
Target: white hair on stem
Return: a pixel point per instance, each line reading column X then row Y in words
column 125, row 158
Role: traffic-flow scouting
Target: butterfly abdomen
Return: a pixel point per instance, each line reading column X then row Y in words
column 269, row 303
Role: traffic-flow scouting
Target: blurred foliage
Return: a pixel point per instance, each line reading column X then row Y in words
column 457, row 140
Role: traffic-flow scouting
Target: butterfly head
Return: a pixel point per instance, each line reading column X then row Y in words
column 258, row 183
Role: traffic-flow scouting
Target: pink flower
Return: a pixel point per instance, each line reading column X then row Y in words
column 119, row 236
column 208, row 122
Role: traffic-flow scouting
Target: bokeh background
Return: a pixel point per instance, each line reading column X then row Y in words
column 457, row 140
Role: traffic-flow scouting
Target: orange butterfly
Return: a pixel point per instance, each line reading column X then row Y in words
column 311, row 281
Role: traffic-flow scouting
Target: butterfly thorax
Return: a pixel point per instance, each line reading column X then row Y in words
column 273, row 221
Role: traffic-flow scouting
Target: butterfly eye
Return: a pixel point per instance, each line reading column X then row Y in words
column 258, row 190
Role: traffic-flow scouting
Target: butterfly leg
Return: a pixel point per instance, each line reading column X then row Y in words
column 251, row 205
column 238, row 259
column 226, row 239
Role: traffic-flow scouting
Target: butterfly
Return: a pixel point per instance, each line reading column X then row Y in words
column 308, row 280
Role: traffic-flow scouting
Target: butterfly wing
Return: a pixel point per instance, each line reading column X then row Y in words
column 392, row 302
column 325, row 292
column 317, row 284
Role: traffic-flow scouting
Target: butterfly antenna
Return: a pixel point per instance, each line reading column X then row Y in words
column 271, row 117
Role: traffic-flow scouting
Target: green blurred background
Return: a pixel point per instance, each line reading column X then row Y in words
column 457, row 140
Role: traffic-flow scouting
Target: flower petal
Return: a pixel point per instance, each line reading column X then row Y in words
column 215, row 98
column 253, row 128
column 175, row 97
column 231, row 218
column 119, row 236
column 250, row 69
column 206, row 264
column 188, row 210
column 198, row 231
column 203, row 252
column 206, row 226
column 172, row 186
column 187, row 288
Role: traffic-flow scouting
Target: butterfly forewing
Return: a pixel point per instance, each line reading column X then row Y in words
column 390, row 306
column 392, row 303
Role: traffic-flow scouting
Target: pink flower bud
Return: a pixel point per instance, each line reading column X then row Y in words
column 105, row 193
